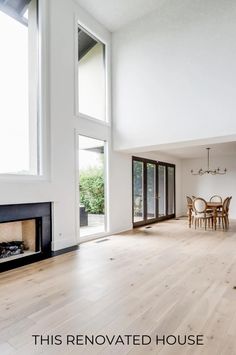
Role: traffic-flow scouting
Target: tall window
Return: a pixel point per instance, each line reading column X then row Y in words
column 91, row 76
column 92, row 186
column 18, row 87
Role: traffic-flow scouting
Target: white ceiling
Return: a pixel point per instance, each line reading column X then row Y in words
column 114, row 14
column 221, row 149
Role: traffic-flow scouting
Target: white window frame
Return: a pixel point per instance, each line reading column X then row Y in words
column 94, row 34
column 43, row 136
column 90, row 126
column 106, row 209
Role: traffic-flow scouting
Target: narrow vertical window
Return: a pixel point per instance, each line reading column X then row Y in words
column 19, row 87
column 151, row 191
column 171, row 190
column 162, row 190
column 138, row 191
column 92, row 186
column 91, row 76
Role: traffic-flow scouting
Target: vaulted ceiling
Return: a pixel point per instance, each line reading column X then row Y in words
column 114, row 14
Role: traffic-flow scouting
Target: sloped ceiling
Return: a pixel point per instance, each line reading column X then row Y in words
column 114, row 14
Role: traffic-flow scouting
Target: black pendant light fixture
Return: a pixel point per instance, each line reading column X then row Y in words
column 217, row 171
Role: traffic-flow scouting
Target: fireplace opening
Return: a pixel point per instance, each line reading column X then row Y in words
column 19, row 239
column 25, row 234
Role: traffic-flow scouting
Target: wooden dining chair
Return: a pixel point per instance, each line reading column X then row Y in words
column 201, row 214
column 216, row 198
column 189, row 200
column 229, row 200
column 223, row 215
column 189, row 209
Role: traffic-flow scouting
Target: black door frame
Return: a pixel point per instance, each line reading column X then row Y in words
column 146, row 221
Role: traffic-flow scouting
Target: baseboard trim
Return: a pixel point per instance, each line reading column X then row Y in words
column 65, row 250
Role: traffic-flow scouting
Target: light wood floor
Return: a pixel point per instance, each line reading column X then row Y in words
column 162, row 280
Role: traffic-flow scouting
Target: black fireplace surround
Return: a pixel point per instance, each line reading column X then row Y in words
column 41, row 213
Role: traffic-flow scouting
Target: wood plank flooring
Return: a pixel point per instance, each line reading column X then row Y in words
column 163, row 280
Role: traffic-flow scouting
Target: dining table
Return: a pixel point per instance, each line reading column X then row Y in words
column 214, row 206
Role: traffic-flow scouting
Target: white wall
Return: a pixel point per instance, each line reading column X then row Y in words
column 61, row 124
column 120, row 192
column 174, row 74
column 207, row 185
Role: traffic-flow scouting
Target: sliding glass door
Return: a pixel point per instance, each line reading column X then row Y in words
column 138, row 191
column 153, row 191
column 171, row 190
column 161, row 191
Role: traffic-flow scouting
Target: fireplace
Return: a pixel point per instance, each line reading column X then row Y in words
column 25, row 234
column 18, row 239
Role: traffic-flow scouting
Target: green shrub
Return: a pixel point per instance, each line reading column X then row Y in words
column 92, row 190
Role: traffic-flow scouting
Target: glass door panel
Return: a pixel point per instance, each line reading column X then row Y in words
column 151, row 191
column 138, row 191
column 92, row 209
column 161, row 191
column 171, row 190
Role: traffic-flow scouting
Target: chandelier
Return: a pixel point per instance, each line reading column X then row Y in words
column 217, row 171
